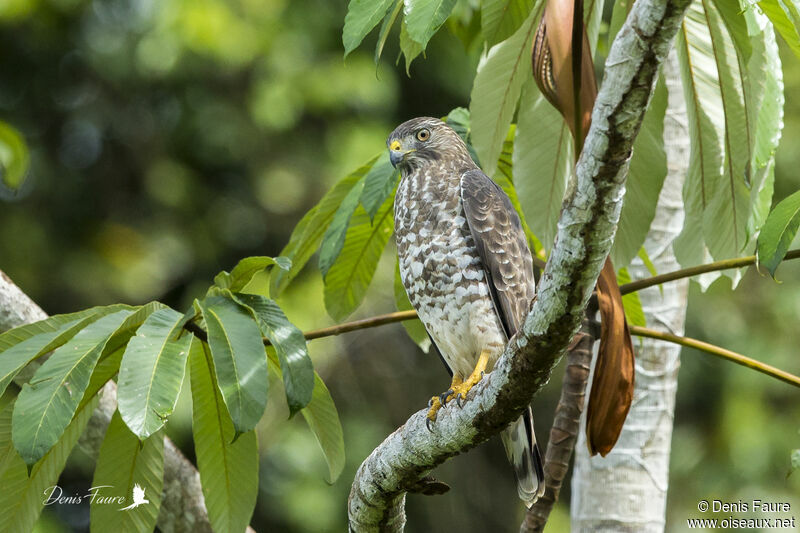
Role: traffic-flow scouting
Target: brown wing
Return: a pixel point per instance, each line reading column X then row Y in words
column 502, row 247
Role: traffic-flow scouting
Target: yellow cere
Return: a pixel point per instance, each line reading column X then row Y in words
column 395, row 145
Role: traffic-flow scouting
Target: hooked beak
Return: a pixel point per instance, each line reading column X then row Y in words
column 396, row 153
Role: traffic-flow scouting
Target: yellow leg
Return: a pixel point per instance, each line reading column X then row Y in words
column 464, row 387
column 437, row 402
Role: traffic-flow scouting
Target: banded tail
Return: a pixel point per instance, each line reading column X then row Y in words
column 523, row 453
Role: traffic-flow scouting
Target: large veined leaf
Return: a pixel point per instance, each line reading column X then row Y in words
column 501, row 18
column 778, row 232
column 646, row 173
column 634, row 313
column 7, row 451
column 240, row 362
column 228, row 468
column 15, row 358
column 414, row 328
column 23, row 495
column 297, row 369
column 125, row 465
column 723, row 94
column 593, row 16
column 152, row 371
column 378, row 184
column 323, row 419
column 14, row 157
column 785, row 16
column 333, row 240
column 409, row 47
column 362, row 16
column 496, row 90
column 349, row 277
column 47, row 403
column 245, row 269
column 308, row 233
column 543, row 162
column 424, row 17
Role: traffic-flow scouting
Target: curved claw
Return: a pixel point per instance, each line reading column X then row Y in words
column 444, row 396
column 460, row 400
column 428, row 424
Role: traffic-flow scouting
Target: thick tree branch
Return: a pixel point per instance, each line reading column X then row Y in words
column 182, row 504
column 585, row 233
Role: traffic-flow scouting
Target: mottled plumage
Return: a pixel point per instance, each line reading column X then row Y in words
column 465, row 264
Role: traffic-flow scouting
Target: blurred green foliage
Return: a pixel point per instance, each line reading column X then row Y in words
column 170, row 138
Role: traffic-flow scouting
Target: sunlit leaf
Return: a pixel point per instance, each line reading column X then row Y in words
column 648, row 168
column 378, row 184
column 152, row 371
column 333, row 240
column 362, row 16
column 409, row 47
column 414, row 328
column 496, row 90
column 46, row 404
column 349, row 277
column 785, row 17
column 248, row 267
column 323, row 419
column 124, row 463
column 634, row 313
column 13, row 359
column 501, row 18
column 290, row 346
column 306, row 237
column 14, row 157
column 423, row 18
column 228, row 468
column 778, row 232
column 543, row 162
column 240, row 362
column 23, row 496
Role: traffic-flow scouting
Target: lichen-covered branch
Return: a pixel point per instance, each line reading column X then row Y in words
column 182, row 505
column 585, row 232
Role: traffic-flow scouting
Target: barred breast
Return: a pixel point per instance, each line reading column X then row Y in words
column 442, row 272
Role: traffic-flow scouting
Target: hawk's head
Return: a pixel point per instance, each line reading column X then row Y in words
column 425, row 139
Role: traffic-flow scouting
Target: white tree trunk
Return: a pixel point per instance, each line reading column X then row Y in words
column 627, row 490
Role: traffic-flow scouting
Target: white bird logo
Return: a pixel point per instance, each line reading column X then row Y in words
column 138, row 498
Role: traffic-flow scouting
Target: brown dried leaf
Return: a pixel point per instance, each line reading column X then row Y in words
column 612, row 386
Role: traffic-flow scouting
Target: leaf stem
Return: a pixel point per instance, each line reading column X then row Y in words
column 737, row 358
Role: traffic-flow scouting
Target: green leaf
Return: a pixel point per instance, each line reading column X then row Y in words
column 349, row 277
column 7, row 451
column 333, row 241
column 228, row 468
column 386, row 27
column 240, row 361
column 414, row 328
column 631, row 302
column 308, row 233
column 151, row 372
column 378, row 184
column 459, row 120
column 778, row 232
column 784, row 16
column 14, row 157
column 648, row 168
column 795, row 458
column 651, row 268
column 123, row 464
column 496, row 90
column 47, row 403
column 248, row 267
column 543, row 162
column 593, row 16
column 409, row 47
column 13, row 359
column 618, row 16
column 290, row 346
column 362, row 16
column 323, row 419
column 423, row 18
column 501, row 18
column 23, row 496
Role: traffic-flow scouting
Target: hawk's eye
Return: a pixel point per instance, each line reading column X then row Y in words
column 423, row 135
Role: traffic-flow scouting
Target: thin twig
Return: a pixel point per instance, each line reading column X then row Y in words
column 737, row 358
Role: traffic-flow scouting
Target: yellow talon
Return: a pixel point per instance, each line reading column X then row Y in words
column 464, row 387
column 437, row 402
